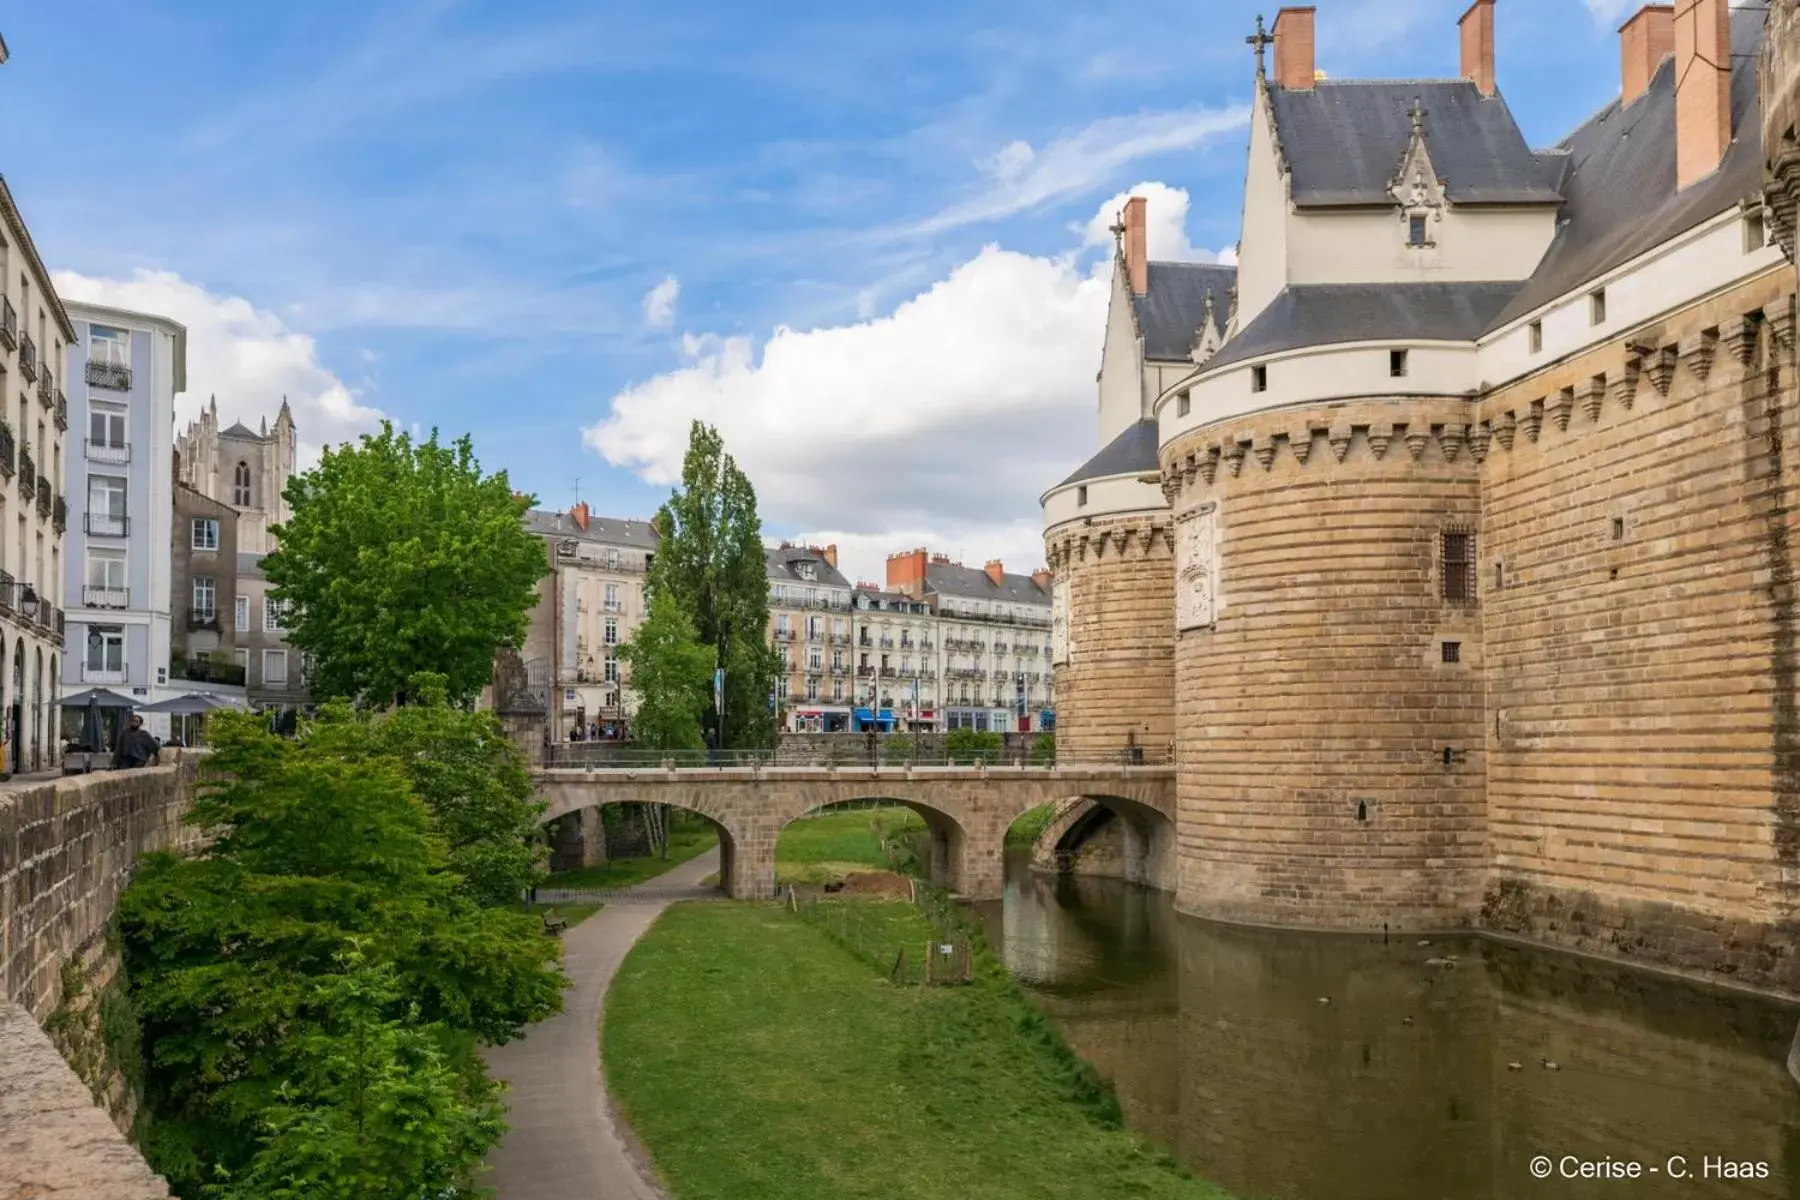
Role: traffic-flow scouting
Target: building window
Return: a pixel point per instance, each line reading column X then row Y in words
column 106, row 648
column 815, row 629
column 1618, row 529
column 106, row 429
column 206, row 533
column 241, row 614
column 612, row 597
column 837, row 691
column 611, row 636
column 1457, row 566
column 274, row 613
column 1756, row 235
column 814, row 659
column 242, row 658
column 1397, row 364
column 1534, row 334
column 106, row 505
column 812, row 691
column 274, row 668
column 240, row 485
column 1452, row 652
column 1259, row 379
column 109, row 346
column 1183, row 403
column 1081, row 496
column 781, row 623
column 1415, row 230
column 611, row 669
column 205, row 598
column 1597, row 306
column 612, row 558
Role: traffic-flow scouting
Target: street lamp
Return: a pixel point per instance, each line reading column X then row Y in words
column 28, row 598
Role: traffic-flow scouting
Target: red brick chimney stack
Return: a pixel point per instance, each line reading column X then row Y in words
column 1137, row 245
column 996, row 572
column 1644, row 41
column 1042, row 578
column 579, row 515
column 1477, row 30
column 906, row 572
column 1294, row 65
column 829, row 554
column 1702, row 88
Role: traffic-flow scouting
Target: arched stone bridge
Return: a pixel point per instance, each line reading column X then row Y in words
column 967, row 810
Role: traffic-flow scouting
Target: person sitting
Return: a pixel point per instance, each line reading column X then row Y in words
column 135, row 747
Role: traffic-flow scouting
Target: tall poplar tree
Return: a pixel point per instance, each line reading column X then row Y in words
column 710, row 560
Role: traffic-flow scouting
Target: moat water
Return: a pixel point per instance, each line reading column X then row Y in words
column 1286, row 1066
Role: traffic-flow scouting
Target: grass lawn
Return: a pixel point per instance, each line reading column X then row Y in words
column 816, row 850
column 1031, row 823
column 687, row 839
column 759, row 1060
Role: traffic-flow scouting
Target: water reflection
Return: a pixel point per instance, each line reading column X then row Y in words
column 1348, row 1068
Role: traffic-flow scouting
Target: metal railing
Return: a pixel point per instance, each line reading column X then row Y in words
column 59, row 514
column 898, row 751
column 9, row 324
column 27, row 472
column 203, row 618
column 8, row 451
column 102, row 596
column 103, row 674
column 62, row 410
column 114, row 377
column 47, row 388
column 107, row 452
column 46, row 494
column 28, row 358
column 202, row 670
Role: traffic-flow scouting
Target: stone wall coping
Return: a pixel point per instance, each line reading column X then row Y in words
column 850, row 773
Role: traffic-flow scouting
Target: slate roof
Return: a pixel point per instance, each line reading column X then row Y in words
column 1621, row 191
column 1132, row 452
column 1170, row 313
column 1321, row 314
column 609, row 531
column 950, row 579
column 243, row 433
column 1343, row 141
column 782, row 561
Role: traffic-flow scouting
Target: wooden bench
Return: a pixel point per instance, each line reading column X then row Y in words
column 553, row 923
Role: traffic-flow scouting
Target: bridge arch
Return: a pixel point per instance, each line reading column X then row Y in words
column 585, row 802
column 1130, row 840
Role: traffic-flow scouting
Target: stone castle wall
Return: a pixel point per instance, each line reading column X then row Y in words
column 1638, row 513
column 1330, row 757
column 1115, row 688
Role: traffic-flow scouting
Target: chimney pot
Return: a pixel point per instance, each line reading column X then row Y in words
column 1644, row 41
column 1041, row 577
column 1294, row 64
column 1477, row 31
column 1137, row 245
column 1702, row 88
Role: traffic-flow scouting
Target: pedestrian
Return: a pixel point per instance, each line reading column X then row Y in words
column 593, row 731
column 135, row 747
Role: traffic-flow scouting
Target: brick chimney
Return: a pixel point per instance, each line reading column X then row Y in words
column 1137, row 245
column 906, row 572
column 1644, row 41
column 1042, row 578
column 1294, row 48
column 1702, row 88
column 1477, row 29
column 996, row 572
column 829, row 554
column 579, row 515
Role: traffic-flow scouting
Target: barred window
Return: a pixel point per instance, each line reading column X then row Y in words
column 1457, row 566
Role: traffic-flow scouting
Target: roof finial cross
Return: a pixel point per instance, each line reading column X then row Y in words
column 1258, row 41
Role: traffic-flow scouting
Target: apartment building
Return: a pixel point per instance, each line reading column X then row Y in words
column 993, row 635
column 589, row 605
column 35, row 332
column 810, row 619
column 896, row 649
column 124, row 371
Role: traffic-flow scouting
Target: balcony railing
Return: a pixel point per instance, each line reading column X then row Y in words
column 108, row 452
column 9, row 324
column 7, row 591
column 62, row 622
column 107, row 525
column 887, row 643
column 8, row 452
column 90, row 674
column 112, row 376
column 101, row 596
column 47, row 388
column 27, row 473
column 62, row 410
column 28, row 358
column 865, row 672
column 203, row 618
column 59, row 514
column 784, row 635
column 204, row 670
column 612, row 606
column 46, row 495
column 840, row 639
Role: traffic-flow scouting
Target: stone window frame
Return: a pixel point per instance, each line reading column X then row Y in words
column 1466, row 566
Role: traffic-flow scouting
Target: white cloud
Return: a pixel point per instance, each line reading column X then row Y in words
column 1609, row 12
column 245, row 356
column 944, row 419
column 659, row 304
column 1021, row 177
column 1165, row 224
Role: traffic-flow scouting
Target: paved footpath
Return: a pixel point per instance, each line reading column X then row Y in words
column 564, row 1144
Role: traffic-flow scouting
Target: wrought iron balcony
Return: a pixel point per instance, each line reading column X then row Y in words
column 203, row 618
column 28, row 358
column 108, row 452
column 27, row 473
column 102, row 596
column 9, row 324
column 46, row 495
column 8, row 452
column 865, row 672
column 107, row 525
column 47, row 388
column 7, row 591
column 114, row 377
column 784, row 635
column 62, row 626
column 887, row 643
column 203, row 670
column 59, row 514
column 62, row 410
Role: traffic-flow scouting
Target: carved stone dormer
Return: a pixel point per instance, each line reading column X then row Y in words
column 1417, row 188
column 1208, row 338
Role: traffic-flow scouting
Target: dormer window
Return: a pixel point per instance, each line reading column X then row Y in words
column 807, row 571
column 1415, row 230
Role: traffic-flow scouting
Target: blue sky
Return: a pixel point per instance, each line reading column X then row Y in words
column 855, row 236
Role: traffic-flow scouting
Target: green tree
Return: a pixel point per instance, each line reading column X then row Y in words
column 969, row 746
column 671, row 674
column 710, row 559
column 402, row 557
column 320, row 854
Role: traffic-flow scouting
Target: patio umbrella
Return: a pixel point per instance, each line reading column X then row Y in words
column 184, row 706
column 93, row 737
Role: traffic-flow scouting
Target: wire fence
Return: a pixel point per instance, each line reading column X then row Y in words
column 922, row 944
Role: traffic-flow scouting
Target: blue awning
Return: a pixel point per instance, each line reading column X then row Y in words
column 863, row 714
